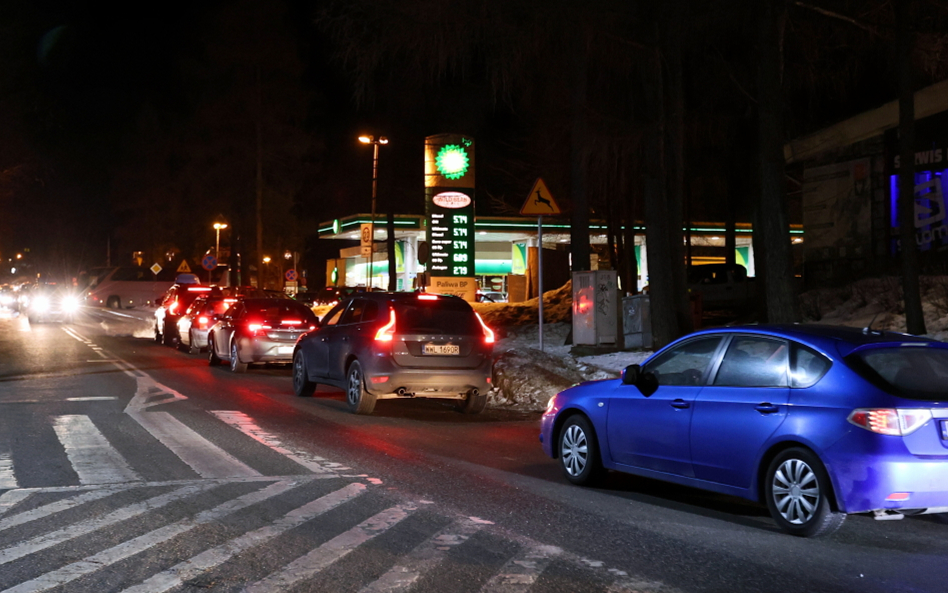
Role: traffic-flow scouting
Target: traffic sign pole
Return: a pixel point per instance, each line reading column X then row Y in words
column 540, row 272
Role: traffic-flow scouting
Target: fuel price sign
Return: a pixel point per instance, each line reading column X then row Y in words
column 451, row 232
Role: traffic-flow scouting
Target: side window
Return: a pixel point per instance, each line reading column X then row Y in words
column 354, row 313
column 686, row 363
column 234, row 312
column 332, row 318
column 753, row 361
column 807, row 366
column 371, row 311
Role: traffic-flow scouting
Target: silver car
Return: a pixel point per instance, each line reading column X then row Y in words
column 258, row 330
column 197, row 321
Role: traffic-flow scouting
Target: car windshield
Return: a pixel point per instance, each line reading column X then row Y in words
column 436, row 316
column 911, row 371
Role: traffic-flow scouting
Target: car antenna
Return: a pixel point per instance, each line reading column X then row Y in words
column 868, row 329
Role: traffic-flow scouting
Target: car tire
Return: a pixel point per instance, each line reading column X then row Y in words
column 473, row 404
column 158, row 338
column 192, row 346
column 212, row 358
column 799, row 495
column 235, row 365
column 302, row 386
column 578, row 452
column 360, row 401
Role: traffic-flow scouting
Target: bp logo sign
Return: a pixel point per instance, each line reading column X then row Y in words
column 452, row 161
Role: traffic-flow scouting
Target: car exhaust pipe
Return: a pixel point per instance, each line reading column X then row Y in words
column 401, row 392
column 475, row 392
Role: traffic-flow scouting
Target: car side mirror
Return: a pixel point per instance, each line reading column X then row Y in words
column 644, row 381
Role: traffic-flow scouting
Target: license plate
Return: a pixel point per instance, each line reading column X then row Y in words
column 442, row 349
column 284, row 349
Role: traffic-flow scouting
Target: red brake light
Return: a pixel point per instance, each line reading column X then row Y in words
column 292, row 322
column 488, row 332
column 255, row 327
column 386, row 333
column 896, row 422
column 427, row 297
column 172, row 307
column 199, row 289
column 203, row 320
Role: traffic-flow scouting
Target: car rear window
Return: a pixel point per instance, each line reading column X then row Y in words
column 280, row 309
column 913, row 372
column 446, row 316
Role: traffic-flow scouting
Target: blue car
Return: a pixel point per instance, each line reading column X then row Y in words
column 817, row 422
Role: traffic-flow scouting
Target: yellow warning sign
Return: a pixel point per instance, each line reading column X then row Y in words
column 183, row 268
column 540, row 201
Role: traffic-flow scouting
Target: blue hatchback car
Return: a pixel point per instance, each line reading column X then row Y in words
column 817, row 422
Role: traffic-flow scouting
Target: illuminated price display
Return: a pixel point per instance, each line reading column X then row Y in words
column 450, row 232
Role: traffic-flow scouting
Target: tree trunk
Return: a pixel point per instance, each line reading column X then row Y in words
column 579, row 231
column 675, row 163
column 773, row 217
column 914, row 318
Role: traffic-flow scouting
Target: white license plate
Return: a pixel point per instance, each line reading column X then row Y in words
column 442, row 349
column 284, row 349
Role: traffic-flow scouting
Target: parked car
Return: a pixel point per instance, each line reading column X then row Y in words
column 332, row 295
column 51, row 302
column 384, row 345
column 816, row 422
column 170, row 309
column 491, row 296
column 194, row 325
column 258, row 330
column 722, row 286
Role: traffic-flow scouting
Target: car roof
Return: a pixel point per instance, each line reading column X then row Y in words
column 842, row 339
column 398, row 296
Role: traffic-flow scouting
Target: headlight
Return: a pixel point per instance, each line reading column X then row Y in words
column 41, row 304
column 550, row 404
column 70, row 304
column 6, row 299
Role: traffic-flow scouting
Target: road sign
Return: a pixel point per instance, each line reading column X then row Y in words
column 184, row 268
column 290, row 275
column 155, row 268
column 540, row 201
column 209, row 262
column 367, row 236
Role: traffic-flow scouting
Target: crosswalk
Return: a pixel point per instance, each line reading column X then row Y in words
column 102, row 524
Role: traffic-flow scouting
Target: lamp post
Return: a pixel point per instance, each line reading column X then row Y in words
column 375, row 142
column 266, row 273
column 218, row 226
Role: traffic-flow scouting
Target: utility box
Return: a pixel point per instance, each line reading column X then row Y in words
column 595, row 308
column 636, row 322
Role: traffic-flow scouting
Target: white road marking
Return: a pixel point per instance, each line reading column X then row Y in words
column 91, row 455
column 423, row 558
column 246, row 425
column 208, row 559
column 92, row 398
column 146, row 541
column 522, row 571
column 321, row 557
column 7, row 477
column 58, row 506
column 11, row 498
column 48, row 540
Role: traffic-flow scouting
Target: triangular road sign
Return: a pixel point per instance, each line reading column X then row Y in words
column 184, row 268
column 540, row 201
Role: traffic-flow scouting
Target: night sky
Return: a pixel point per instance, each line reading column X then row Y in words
column 136, row 131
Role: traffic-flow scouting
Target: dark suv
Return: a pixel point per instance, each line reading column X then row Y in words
column 388, row 345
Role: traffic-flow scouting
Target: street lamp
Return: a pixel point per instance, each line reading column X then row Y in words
column 218, row 226
column 266, row 273
column 375, row 184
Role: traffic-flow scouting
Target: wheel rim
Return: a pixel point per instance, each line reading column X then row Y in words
column 574, row 450
column 233, row 356
column 796, row 491
column 354, row 393
column 298, row 371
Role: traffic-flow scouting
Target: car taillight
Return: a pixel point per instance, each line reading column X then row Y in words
column 202, row 320
column 386, row 333
column 292, row 322
column 256, row 328
column 172, row 307
column 427, row 297
column 488, row 332
column 891, row 421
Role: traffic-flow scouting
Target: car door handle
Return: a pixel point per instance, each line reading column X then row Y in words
column 324, row 339
column 767, row 408
column 680, row 404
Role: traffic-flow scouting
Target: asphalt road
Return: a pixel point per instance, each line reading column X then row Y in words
column 126, row 465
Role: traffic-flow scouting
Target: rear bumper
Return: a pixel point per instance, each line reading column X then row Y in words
column 384, row 378
column 864, row 480
column 264, row 350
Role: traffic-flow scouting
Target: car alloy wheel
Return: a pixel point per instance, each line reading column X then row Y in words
column 212, row 358
column 578, row 452
column 798, row 495
column 158, row 339
column 192, row 345
column 235, row 364
column 360, row 401
column 302, row 386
